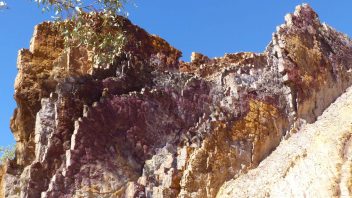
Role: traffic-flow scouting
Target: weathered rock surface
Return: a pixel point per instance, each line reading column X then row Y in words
column 153, row 126
column 317, row 161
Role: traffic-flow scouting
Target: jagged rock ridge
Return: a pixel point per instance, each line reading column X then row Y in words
column 153, row 126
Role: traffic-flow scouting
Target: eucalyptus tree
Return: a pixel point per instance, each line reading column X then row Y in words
column 93, row 24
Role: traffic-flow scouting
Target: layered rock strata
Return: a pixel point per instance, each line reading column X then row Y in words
column 151, row 125
column 318, row 161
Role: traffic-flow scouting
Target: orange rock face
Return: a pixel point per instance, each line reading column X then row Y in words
column 150, row 125
column 33, row 83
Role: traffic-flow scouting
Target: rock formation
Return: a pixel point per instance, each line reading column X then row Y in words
column 150, row 125
column 317, row 161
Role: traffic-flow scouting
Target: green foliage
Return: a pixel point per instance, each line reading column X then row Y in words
column 94, row 26
column 97, row 32
column 70, row 8
column 7, row 153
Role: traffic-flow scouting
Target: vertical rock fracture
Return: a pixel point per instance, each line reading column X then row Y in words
column 150, row 125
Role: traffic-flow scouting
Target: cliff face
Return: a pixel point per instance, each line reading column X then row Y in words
column 318, row 161
column 153, row 126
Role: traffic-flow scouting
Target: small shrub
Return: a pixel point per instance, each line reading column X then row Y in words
column 7, row 153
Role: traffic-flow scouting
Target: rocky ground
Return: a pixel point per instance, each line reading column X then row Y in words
column 150, row 125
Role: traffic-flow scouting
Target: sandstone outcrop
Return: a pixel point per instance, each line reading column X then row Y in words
column 150, row 125
column 317, row 161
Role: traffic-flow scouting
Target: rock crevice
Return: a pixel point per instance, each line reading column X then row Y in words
column 151, row 125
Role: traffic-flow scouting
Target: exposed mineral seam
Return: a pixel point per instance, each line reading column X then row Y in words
column 153, row 126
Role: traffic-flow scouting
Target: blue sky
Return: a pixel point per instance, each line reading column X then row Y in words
column 207, row 26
